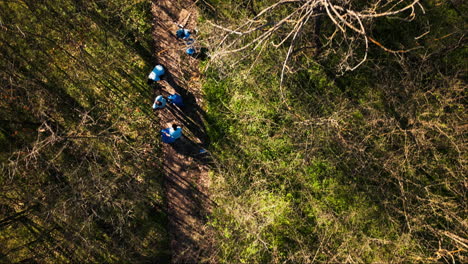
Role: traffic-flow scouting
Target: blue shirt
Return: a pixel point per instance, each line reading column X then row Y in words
column 183, row 33
column 156, row 73
column 175, row 134
column 161, row 99
column 166, row 138
column 190, row 51
column 176, row 99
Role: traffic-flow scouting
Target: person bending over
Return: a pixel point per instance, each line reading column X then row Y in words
column 156, row 74
column 159, row 102
column 170, row 134
column 175, row 99
column 183, row 33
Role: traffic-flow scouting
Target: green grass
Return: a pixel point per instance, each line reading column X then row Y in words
column 329, row 169
column 84, row 151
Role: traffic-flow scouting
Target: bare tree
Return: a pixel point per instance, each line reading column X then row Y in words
column 350, row 23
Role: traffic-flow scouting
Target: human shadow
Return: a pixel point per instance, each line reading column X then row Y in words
column 202, row 54
column 197, row 129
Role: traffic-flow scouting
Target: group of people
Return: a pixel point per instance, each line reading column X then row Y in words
column 174, row 132
column 184, row 34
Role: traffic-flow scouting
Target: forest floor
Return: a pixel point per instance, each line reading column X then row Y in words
column 185, row 168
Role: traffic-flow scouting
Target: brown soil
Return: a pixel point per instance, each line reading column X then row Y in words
column 185, row 169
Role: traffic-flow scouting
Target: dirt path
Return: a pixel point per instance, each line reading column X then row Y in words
column 184, row 167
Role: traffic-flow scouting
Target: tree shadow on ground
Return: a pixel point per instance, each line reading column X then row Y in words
column 193, row 191
column 184, row 167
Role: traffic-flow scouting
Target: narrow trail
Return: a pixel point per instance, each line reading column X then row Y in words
column 185, row 169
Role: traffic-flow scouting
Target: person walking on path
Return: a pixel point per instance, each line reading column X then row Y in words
column 159, row 102
column 170, row 134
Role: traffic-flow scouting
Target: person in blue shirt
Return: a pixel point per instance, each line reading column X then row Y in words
column 170, row 134
column 190, row 51
column 175, row 99
column 156, row 74
column 159, row 102
column 183, row 33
